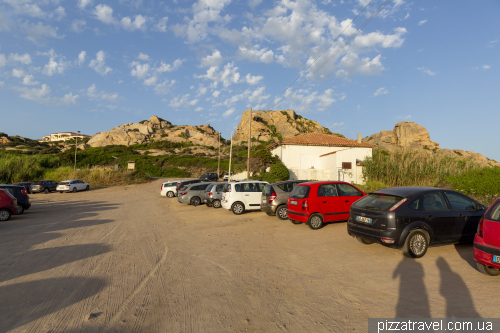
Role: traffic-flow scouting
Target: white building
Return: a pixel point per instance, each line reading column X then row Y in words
column 317, row 156
column 63, row 136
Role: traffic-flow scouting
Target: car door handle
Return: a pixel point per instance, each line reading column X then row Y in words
column 347, row 201
column 324, row 201
column 247, row 195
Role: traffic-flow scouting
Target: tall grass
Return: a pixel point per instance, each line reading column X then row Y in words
column 413, row 167
column 18, row 168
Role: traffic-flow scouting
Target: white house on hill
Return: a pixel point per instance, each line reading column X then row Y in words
column 317, row 156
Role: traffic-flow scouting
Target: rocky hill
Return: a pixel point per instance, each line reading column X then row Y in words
column 275, row 125
column 409, row 135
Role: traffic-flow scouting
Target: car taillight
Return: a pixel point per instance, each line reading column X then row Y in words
column 272, row 197
column 396, row 206
column 24, row 191
column 210, row 194
column 184, row 193
column 161, row 188
column 388, row 240
column 480, row 227
column 305, row 205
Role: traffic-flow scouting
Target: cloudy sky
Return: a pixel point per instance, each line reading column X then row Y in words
column 90, row 65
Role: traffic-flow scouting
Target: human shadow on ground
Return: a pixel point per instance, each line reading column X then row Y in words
column 40, row 260
column 413, row 301
column 458, row 299
column 25, row 302
column 465, row 251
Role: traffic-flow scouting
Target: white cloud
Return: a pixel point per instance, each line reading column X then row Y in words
column 139, row 23
column 216, row 93
column 78, row 25
column 376, row 38
column 23, row 59
column 69, row 99
column 486, row 66
column 212, row 60
column 38, row 32
column 336, row 125
column 81, row 57
column 139, row 70
column 227, row 76
column 169, row 68
column 28, row 81
column 422, row 22
column 228, row 112
column 162, row 24
column 83, row 3
column 202, row 91
column 104, row 14
column 163, row 88
column 380, row 91
column 18, row 73
column 198, row 109
column 151, row 81
column 57, row 63
column 93, row 94
column 351, row 65
column 253, row 79
column 35, row 94
column 254, row 3
column 305, row 101
column 182, row 101
column 426, row 71
column 254, row 54
column 3, row 60
column 60, row 12
column 143, row 56
column 98, row 64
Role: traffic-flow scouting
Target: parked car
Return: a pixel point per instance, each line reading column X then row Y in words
column 211, row 176
column 8, row 205
column 73, row 185
column 26, row 185
column 274, row 198
column 241, row 196
column 414, row 218
column 188, row 182
column 45, row 186
column 168, row 189
column 315, row 203
column 487, row 241
column 213, row 195
column 226, row 176
column 20, row 193
column 192, row 194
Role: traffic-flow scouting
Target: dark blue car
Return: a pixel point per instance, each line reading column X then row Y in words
column 20, row 193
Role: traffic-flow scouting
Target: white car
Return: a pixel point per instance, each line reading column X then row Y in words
column 72, row 185
column 168, row 188
column 241, row 196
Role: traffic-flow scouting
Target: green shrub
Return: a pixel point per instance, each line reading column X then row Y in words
column 485, row 181
column 164, row 135
column 175, row 172
column 277, row 173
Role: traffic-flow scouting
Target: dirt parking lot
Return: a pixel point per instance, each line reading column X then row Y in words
column 124, row 259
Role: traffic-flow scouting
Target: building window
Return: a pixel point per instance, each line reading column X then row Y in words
column 346, row 165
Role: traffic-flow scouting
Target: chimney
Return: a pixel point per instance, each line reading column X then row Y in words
column 359, row 138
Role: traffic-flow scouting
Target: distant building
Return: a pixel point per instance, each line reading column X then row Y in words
column 63, row 136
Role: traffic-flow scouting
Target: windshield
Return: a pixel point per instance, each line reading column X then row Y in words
column 300, row 192
column 376, row 201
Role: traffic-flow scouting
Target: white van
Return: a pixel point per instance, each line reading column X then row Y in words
column 168, row 188
column 244, row 195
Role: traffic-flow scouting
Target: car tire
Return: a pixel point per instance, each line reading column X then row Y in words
column 491, row 271
column 364, row 241
column 20, row 209
column 5, row 215
column 315, row 221
column 238, row 208
column 195, row 201
column 296, row 222
column 46, row 191
column 281, row 212
column 61, row 192
column 74, row 189
column 170, row 194
column 216, row 204
column 416, row 243
column 87, row 188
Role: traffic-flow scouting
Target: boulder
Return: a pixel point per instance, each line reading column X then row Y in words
column 4, row 139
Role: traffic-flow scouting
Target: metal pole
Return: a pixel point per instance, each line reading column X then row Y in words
column 76, row 143
column 218, row 163
column 249, row 143
column 230, row 155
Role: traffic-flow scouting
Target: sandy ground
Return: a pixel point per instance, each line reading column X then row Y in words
column 125, row 259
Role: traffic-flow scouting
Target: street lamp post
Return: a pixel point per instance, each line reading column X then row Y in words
column 76, row 145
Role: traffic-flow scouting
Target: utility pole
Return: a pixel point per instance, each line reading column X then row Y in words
column 218, row 163
column 249, row 143
column 230, row 155
column 76, row 145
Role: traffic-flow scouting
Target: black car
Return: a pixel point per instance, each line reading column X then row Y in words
column 45, row 186
column 20, row 193
column 412, row 218
column 212, row 176
column 187, row 182
column 26, row 185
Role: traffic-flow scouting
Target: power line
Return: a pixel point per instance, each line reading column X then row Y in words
column 333, row 54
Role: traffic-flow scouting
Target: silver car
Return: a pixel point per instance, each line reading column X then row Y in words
column 213, row 195
column 192, row 194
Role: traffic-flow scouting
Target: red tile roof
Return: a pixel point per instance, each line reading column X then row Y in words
column 320, row 139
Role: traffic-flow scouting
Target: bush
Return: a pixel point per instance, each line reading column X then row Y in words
column 174, row 172
column 277, row 173
column 482, row 182
column 19, row 168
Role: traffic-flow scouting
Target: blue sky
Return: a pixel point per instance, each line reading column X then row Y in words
column 90, row 65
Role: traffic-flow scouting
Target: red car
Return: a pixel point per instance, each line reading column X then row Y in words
column 487, row 241
column 8, row 205
column 315, row 203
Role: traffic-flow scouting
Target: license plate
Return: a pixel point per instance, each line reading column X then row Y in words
column 496, row 259
column 363, row 219
column 264, row 201
column 293, row 202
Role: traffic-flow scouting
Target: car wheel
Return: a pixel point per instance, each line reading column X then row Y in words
column 5, row 214
column 87, row 188
column 364, row 241
column 195, row 201
column 238, row 208
column 315, row 221
column 20, row 209
column 281, row 212
column 296, row 222
column 46, row 191
column 170, row 194
column 416, row 244
column 488, row 270
column 216, row 204
column 74, row 189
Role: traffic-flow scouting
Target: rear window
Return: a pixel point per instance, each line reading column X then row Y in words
column 287, row 187
column 227, row 187
column 267, row 190
column 493, row 213
column 63, row 183
column 377, row 202
column 300, row 192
